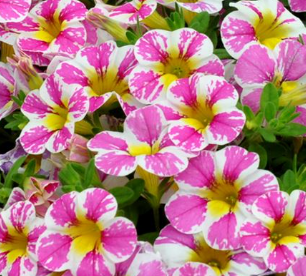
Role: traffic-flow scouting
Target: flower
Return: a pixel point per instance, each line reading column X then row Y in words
column 284, row 66
column 216, row 193
column 102, row 72
column 278, row 230
column 297, row 5
column 186, row 252
column 7, row 90
column 82, row 232
column 194, row 269
column 167, row 56
column 205, row 112
column 298, row 268
column 53, row 112
column 52, row 27
column 19, row 231
column 13, row 11
column 144, row 261
column 258, row 22
column 143, row 143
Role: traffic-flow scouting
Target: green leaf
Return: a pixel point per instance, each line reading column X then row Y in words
column 8, row 182
column 137, row 185
column 4, row 194
column 149, row 237
column 286, row 113
column 289, row 182
column 200, row 22
column 132, row 37
column 222, row 53
column 69, row 177
column 267, row 135
column 30, row 168
column 132, row 213
column 269, row 95
column 261, row 151
column 270, row 111
column 89, row 173
column 16, row 121
column 292, row 129
column 122, row 194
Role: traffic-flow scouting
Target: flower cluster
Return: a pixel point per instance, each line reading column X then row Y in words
column 152, row 137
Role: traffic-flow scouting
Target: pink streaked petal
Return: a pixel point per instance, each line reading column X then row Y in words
column 152, row 47
column 78, row 105
column 299, row 267
column 167, row 162
column 290, row 55
column 238, row 162
column 297, row 6
column 34, row 137
column 60, row 139
column 108, row 140
column 236, row 32
column 224, row 233
column 51, row 91
column 297, row 207
column 125, row 61
column 194, row 269
column 119, row 238
column 255, row 238
column 21, row 215
column 7, row 73
column 62, row 213
column 128, row 103
column 16, row 195
column 271, row 206
column 251, row 97
column 14, row 10
column 71, row 11
column 243, row 262
column 146, row 124
column 23, row 266
column 29, row 42
column 118, row 163
column 211, row 65
column 3, row 261
column 225, row 127
column 146, row 85
column 98, row 204
column 283, row 256
column 46, row 9
column 187, row 137
column 169, row 112
column 70, row 73
column 255, row 185
column 37, row 229
column 256, row 66
column 186, row 212
column 34, row 107
column 53, row 251
column 94, row 264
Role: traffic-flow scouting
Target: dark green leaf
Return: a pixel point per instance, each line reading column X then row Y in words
column 261, row 151
column 8, row 182
column 122, row 194
column 292, row 129
column 270, row 111
column 269, row 94
column 267, row 135
column 200, row 22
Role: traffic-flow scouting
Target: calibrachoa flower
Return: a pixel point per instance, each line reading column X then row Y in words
column 143, row 143
column 279, row 230
column 144, row 261
column 13, row 10
column 194, row 269
column 84, row 236
column 167, row 56
column 7, row 89
column 53, row 112
column 52, row 27
column 102, row 72
column 19, row 231
column 187, row 252
column 216, row 193
column 284, row 66
column 297, row 5
column 205, row 112
column 298, row 268
column 258, row 22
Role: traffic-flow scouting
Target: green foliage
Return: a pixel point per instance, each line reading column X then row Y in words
column 176, row 20
column 16, row 121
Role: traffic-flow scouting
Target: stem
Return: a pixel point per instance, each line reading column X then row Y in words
column 294, row 163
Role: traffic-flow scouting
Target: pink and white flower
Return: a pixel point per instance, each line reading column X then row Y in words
column 53, row 112
column 216, row 193
column 7, row 90
column 19, row 231
column 143, row 143
column 298, row 268
column 278, row 230
column 202, row 110
column 283, row 66
column 102, row 72
column 13, row 10
column 52, row 27
column 190, row 253
column 82, row 232
column 297, row 5
column 144, row 261
column 258, row 22
column 167, row 56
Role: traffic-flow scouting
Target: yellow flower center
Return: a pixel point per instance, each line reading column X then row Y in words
column 270, row 30
column 218, row 260
column 57, row 119
column 177, row 67
column 16, row 245
column 86, row 236
column 143, row 149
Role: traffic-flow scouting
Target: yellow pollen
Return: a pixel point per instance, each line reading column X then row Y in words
column 57, row 119
column 177, row 67
column 143, row 149
column 269, row 30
